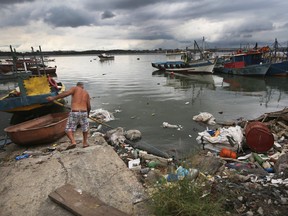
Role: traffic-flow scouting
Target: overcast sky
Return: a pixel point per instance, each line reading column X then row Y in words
column 140, row 24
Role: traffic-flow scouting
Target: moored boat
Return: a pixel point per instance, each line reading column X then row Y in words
column 198, row 66
column 278, row 60
column 43, row 70
column 247, row 64
column 190, row 63
column 278, row 69
column 30, row 94
column 105, row 56
column 45, row 129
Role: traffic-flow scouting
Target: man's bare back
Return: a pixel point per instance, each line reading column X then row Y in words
column 80, row 98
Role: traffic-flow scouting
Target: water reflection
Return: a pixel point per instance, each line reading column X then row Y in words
column 6, row 86
column 266, row 89
column 243, row 83
column 227, row 82
column 187, row 81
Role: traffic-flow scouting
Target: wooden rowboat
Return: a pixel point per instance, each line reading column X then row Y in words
column 45, row 129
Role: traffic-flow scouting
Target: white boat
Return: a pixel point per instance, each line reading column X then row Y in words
column 104, row 56
column 200, row 62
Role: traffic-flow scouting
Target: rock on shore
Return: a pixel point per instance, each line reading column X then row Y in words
column 98, row 170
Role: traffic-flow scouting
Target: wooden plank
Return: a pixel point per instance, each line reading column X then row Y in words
column 81, row 203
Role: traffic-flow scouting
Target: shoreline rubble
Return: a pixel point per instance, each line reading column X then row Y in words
column 259, row 181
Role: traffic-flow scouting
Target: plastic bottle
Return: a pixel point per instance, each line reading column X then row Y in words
column 20, row 157
column 152, row 164
column 171, row 168
column 258, row 158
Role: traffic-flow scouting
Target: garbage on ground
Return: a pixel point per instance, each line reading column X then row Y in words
column 133, row 163
column 133, row 135
column 230, row 138
column 167, row 125
column 102, row 115
column 205, row 117
column 20, row 157
column 115, row 136
column 258, row 137
column 163, row 161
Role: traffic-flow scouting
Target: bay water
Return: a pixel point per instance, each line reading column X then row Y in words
column 142, row 98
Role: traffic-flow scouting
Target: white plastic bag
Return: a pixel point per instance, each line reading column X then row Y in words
column 205, row 117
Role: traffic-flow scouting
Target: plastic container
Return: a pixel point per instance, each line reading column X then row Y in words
column 227, row 153
column 20, row 157
column 258, row 137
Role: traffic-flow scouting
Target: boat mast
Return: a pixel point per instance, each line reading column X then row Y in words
column 14, row 59
column 42, row 60
column 201, row 53
column 35, row 61
column 276, row 46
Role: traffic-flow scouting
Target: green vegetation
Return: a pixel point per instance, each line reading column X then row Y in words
column 186, row 198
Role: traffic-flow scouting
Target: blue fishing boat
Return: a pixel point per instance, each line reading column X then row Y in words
column 279, row 61
column 247, row 64
column 278, row 69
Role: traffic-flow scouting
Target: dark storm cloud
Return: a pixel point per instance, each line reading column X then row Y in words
column 107, row 15
column 14, row 1
column 163, row 22
column 67, row 17
column 119, row 4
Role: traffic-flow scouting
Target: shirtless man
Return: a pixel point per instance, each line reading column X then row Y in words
column 80, row 109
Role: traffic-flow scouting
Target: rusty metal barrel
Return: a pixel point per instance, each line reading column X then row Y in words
column 258, row 137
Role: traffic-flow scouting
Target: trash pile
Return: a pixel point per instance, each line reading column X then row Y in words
column 261, row 141
column 255, row 163
column 247, row 162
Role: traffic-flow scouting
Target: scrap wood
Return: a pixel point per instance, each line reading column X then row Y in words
column 282, row 124
column 282, row 114
column 79, row 202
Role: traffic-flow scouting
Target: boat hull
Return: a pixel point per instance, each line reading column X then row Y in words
column 250, row 70
column 278, row 69
column 181, row 67
column 42, row 130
